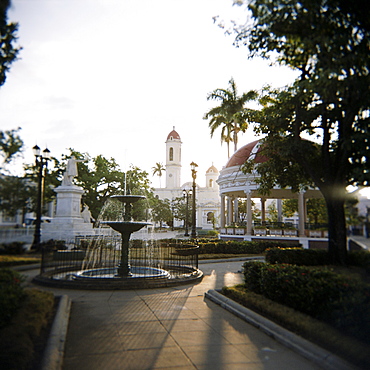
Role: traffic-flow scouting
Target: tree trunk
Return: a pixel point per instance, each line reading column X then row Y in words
column 337, row 228
column 235, row 139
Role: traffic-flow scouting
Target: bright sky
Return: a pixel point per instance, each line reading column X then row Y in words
column 113, row 77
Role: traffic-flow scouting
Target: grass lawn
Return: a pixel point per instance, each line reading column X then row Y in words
column 16, row 260
column 202, row 257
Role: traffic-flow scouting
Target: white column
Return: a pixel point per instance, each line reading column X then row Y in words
column 249, row 212
column 263, row 210
column 222, row 210
column 279, row 209
column 301, row 214
column 229, row 211
column 236, row 213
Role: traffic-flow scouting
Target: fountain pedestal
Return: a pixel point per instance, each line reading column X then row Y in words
column 68, row 221
column 126, row 228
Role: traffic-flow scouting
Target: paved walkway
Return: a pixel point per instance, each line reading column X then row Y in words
column 361, row 240
column 169, row 328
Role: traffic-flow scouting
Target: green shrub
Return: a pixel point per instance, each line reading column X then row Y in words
column 19, row 338
column 322, row 294
column 360, row 258
column 314, row 257
column 11, row 294
column 12, row 248
column 50, row 245
column 297, row 256
column 234, row 247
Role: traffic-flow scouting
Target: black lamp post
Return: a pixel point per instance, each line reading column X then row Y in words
column 41, row 160
column 186, row 193
column 194, row 220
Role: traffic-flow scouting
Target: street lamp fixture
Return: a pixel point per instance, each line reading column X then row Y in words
column 193, row 235
column 187, row 193
column 41, row 161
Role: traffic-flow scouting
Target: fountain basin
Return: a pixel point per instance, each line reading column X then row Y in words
column 126, row 226
column 128, row 198
column 136, row 272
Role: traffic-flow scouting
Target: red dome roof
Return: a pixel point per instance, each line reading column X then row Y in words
column 251, row 150
column 174, row 135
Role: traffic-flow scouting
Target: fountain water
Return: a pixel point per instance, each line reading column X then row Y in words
column 125, row 227
column 106, row 262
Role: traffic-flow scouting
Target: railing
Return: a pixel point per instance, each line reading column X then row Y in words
column 9, row 235
column 260, row 231
column 105, row 252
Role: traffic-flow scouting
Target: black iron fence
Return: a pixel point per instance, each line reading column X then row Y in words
column 105, row 253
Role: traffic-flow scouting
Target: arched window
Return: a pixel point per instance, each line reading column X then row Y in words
column 211, row 183
column 210, row 217
column 171, row 154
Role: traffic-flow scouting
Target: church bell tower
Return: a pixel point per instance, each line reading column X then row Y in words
column 173, row 160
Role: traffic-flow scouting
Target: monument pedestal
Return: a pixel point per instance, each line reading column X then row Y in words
column 68, row 221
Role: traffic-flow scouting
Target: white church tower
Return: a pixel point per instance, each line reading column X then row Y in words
column 211, row 177
column 173, row 160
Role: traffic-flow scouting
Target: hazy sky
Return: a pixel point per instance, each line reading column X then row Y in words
column 113, row 77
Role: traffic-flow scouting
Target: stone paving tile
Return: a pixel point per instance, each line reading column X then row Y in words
column 164, row 358
column 275, row 356
column 215, row 356
column 198, row 338
column 147, row 341
column 88, row 345
column 134, row 327
column 169, row 328
column 182, row 325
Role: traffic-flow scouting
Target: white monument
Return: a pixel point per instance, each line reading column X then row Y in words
column 69, row 221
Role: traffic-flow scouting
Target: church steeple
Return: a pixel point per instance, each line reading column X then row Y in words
column 173, row 159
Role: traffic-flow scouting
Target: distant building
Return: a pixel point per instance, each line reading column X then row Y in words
column 207, row 197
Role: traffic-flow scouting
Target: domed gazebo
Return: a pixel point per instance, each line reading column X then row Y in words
column 234, row 184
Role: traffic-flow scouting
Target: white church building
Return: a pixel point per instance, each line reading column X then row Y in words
column 208, row 204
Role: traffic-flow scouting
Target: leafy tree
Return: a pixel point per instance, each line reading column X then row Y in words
column 158, row 169
column 231, row 115
column 101, row 178
column 272, row 212
column 327, row 43
column 242, row 212
column 352, row 216
column 161, row 211
column 52, row 178
column 180, row 209
column 316, row 210
column 11, row 144
column 15, row 193
column 8, row 36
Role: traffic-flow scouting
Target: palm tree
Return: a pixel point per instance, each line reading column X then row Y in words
column 158, row 169
column 230, row 115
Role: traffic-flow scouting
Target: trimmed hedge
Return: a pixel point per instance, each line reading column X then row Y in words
column 219, row 246
column 19, row 338
column 313, row 257
column 11, row 294
column 360, row 258
column 235, row 247
column 12, row 248
column 338, row 300
column 297, row 256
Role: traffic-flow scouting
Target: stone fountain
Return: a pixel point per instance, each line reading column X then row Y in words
column 126, row 228
column 107, row 263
